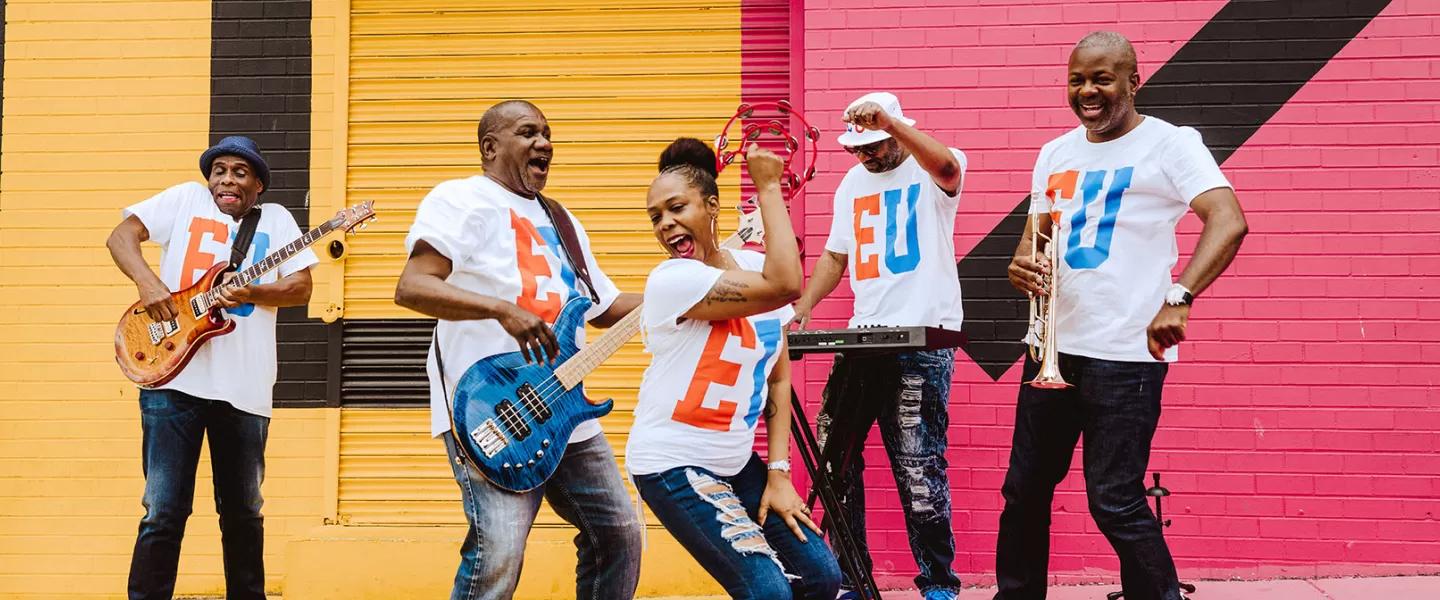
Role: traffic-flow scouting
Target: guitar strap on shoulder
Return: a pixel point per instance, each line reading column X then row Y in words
column 241, row 247
column 569, row 242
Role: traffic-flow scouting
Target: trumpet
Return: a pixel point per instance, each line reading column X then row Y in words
column 1042, row 313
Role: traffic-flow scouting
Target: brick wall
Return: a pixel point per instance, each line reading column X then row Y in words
column 1301, row 428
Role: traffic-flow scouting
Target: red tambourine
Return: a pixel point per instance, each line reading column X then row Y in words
column 795, row 180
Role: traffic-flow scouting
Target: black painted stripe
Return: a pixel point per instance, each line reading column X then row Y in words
column 1227, row 81
column 260, row 87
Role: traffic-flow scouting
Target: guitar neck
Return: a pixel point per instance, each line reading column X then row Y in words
column 574, row 371
column 270, row 263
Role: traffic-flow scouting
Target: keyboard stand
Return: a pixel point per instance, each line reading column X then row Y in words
column 847, row 552
column 840, row 449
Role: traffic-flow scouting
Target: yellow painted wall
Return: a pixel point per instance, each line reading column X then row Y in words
column 106, row 104
column 617, row 80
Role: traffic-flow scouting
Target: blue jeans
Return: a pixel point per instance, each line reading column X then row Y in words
column 908, row 394
column 174, row 425
column 714, row 518
column 586, row 490
column 1116, row 406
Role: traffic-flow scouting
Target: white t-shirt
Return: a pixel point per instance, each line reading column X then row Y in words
column 1119, row 202
column 898, row 229
column 238, row 367
column 503, row 246
column 706, row 387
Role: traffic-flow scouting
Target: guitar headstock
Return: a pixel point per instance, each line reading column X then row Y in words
column 751, row 229
column 360, row 215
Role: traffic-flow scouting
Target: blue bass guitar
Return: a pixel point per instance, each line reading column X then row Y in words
column 514, row 419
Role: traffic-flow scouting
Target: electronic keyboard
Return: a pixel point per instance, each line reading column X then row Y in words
column 875, row 339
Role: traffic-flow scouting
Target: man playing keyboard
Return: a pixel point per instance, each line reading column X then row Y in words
column 893, row 228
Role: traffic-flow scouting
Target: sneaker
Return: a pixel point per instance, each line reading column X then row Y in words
column 939, row 595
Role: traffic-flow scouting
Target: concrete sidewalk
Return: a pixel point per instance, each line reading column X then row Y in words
column 1371, row 588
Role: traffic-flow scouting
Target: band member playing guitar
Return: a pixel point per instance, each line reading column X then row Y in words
column 1119, row 183
column 224, row 393
column 486, row 259
column 893, row 228
column 713, row 320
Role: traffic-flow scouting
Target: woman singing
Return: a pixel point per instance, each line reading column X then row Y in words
column 714, row 320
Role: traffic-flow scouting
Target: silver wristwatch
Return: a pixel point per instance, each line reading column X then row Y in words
column 780, row 465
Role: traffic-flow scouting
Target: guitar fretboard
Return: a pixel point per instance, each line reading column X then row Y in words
column 271, row 262
column 573, row 371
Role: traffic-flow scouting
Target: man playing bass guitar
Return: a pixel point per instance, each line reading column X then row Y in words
column 224, row 393
column 486, row 260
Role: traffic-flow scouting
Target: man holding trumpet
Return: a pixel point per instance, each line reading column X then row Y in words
column 1105, row 200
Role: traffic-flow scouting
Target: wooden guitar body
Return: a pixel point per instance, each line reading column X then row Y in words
column 151, row 354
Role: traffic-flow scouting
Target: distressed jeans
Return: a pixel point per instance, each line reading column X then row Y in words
column 174, row 425
column 1116, row 406
column 586, row 490
column 908, row 394
column 713, row 517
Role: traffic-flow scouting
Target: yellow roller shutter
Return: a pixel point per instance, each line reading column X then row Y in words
column 617, row 80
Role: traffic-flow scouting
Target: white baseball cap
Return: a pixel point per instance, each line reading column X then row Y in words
column 858, row 136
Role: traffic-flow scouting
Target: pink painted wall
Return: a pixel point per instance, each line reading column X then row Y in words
column 1301, row 432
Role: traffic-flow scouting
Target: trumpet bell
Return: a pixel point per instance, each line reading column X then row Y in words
column 1049, row 377
column 1049, row 381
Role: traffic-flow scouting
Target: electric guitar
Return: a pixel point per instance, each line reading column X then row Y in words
column 152, row 353
column 513, row 420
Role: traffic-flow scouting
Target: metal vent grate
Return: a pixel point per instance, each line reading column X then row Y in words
column 383, row 362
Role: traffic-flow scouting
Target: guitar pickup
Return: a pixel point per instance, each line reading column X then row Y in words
column 195, row 307
column 489, row 437
column 534, row 403
column 513, row 420
column 162, row 330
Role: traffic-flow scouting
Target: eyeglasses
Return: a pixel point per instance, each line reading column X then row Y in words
column 871, row 149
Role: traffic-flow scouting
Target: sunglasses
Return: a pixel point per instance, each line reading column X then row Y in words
column 871, row 149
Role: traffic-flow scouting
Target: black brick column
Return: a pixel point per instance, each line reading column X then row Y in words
column 260, row 88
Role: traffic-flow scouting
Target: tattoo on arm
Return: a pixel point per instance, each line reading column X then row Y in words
column 726, row 291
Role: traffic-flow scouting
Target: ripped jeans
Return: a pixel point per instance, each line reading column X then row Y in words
column 907, row 394
column 713, row 518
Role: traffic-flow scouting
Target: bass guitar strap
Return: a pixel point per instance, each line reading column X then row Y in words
column 569, row 242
